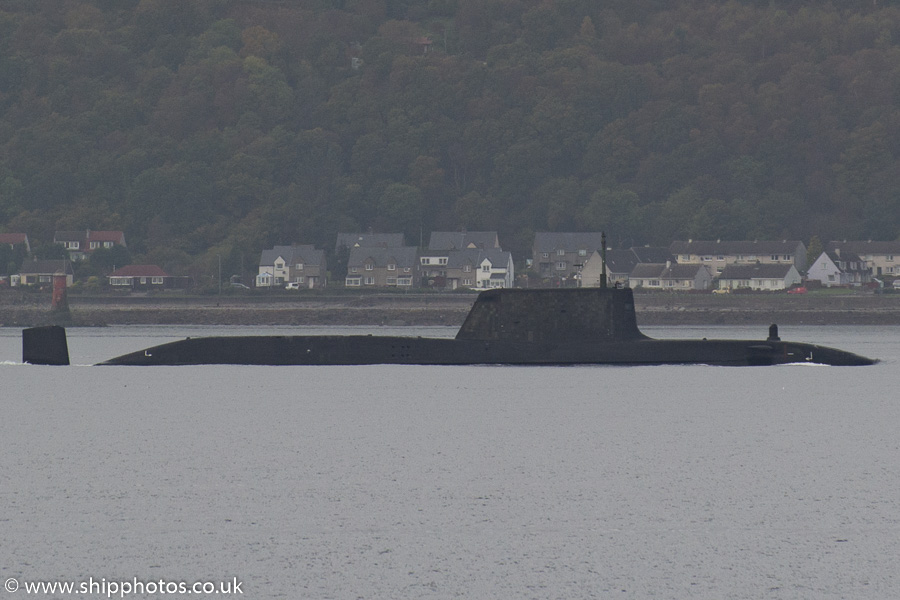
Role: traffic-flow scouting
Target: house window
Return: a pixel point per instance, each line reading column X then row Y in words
column 95, row 245
column 545, row 255
column 406, row 269
column 370, row 267
column 485, row 268
column 776, row 257
column 300, row 279
column 352, row 282
column 561, row 266
column 72, row 245
column 561, row 252
column 119, row 280
column 467, row 268
column 720, row 257
column 582, row 252
column 156, row 280
column 392, row 281
column 467, row 282
column 279, row 265
column 143, row 281
column 890, row 258
column 404, row 281
column 653, row 283
column 369, row 281
column 392, row 267
column 107, row 244
column 299, row 266
column 353, row 270
column 45, row 278
column 442, row 261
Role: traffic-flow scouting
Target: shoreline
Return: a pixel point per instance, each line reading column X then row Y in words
column 26, row 310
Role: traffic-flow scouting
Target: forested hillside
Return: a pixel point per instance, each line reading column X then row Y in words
column 225, row 126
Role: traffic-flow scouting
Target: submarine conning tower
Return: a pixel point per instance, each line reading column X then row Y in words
column 552, row 316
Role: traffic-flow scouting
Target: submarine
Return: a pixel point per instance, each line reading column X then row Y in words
column 575, row 326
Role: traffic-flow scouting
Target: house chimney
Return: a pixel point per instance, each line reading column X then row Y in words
column 668, row 265
column 837, row 252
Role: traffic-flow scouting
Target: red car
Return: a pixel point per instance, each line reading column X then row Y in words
column 797, row 290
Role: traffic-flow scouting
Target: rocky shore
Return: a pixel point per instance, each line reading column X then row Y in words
column 18, row 309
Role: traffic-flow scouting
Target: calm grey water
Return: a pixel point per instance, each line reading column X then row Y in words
column 446, row 482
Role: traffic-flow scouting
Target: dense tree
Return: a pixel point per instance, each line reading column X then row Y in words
column 212, row 128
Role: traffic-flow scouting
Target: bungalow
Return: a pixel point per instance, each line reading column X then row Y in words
column 883, row 258
column 761, row 277
column 382, row 267
column 14, row 239
column 145, row 277
column 80, row 244
column 563, row 255
column 671, row 276
column 840, row 267
column 302, row 264
column 41, row 272
column 718, row 254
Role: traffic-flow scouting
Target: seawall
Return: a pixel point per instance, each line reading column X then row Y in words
column 19, row 309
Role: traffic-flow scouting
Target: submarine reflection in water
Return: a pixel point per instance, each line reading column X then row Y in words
column 511, row 327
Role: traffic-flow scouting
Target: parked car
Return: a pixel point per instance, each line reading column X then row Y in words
column 239, row 286
column 293, row 285
column 896, row 284
column 721, row 291
column 797, row 290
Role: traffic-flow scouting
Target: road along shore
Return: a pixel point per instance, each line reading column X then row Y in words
column 19, row 309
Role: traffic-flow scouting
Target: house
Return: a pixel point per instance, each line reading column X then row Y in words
column 563, row 255
column 434, row 261
column 368, row 240
column 38, row 272
column 760, row 277
column 671, row 276
column 840, row 267
column 145, row 277
column 480, row 269
column 718, row 254
column 620, row 264
column 382, row 267
column 14, row 239
column 883, row 258
column 80, row 244
column 302, row 264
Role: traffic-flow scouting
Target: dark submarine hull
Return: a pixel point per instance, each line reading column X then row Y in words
column 367, row 350
column 584, row 326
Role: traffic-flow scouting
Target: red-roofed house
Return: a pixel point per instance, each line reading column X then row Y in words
column 80, row 244
column 13, row 239
column 145, row 277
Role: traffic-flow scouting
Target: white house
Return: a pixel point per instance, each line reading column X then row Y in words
column 837, row 267
column 495, row 270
